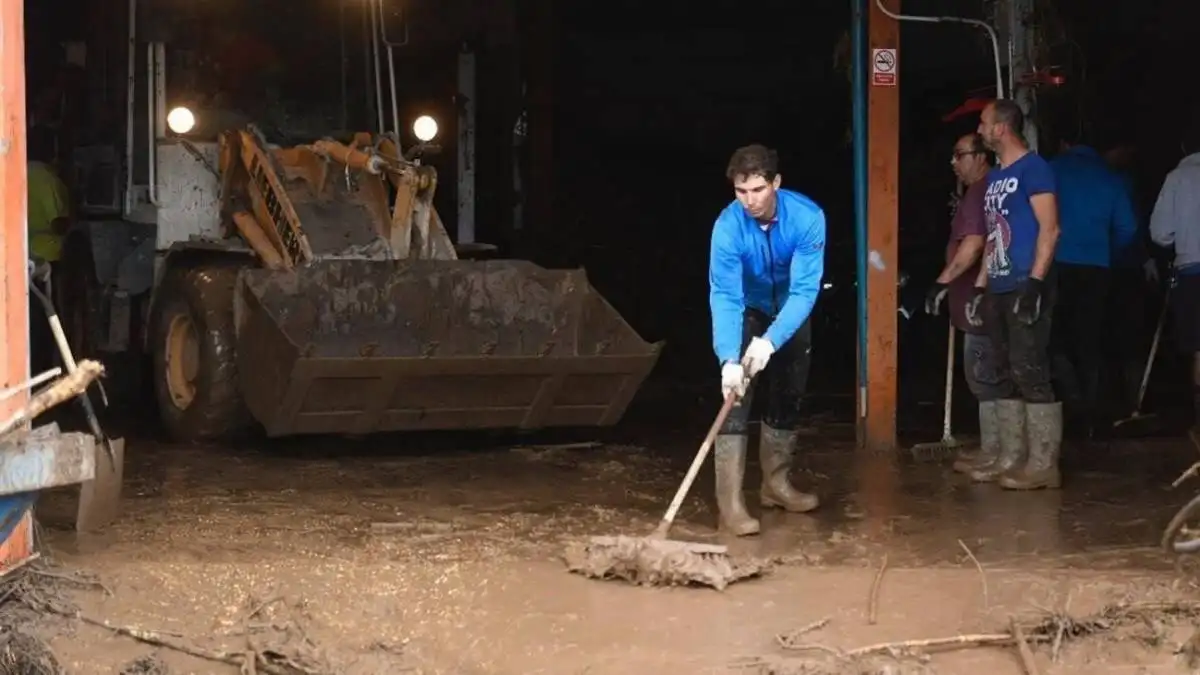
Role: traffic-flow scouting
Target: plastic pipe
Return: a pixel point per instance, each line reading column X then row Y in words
column 957, row 19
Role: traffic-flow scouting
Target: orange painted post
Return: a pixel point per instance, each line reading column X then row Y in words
column 14, row 294
column 17, row 548
column 883, row 147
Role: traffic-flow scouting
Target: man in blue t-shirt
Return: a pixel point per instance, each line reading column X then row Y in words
column 764, row 273
column 1014, row 298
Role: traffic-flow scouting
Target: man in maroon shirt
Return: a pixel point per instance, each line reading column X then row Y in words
column 968, row 232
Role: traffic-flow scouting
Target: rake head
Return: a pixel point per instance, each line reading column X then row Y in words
column 651, row 561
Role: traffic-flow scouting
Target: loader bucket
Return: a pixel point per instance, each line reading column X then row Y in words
column 358, row 346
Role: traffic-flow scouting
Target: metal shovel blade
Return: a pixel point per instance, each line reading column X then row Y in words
column 100, row 498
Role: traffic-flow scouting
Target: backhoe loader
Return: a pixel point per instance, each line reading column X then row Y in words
column 311, row 288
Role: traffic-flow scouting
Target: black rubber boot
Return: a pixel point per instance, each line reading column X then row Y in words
column 730, row 459
column 776, row 451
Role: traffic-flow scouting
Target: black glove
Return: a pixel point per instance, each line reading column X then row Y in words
column 975, row 308
column 1028, row 307
column 933, row 298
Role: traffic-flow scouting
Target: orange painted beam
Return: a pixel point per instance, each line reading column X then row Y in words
column 14, row 293
column 883, row 148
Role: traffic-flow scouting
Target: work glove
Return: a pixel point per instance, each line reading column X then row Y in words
column 975, row 308
column 933, row 299
column 758, row 353
column 733, row 380
column 1029, row 301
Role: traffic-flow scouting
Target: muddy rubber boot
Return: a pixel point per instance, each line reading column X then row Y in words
column 989, row 440
column 776, row 450
column 730, row 459
column 1010, row 421
column 1043, row 424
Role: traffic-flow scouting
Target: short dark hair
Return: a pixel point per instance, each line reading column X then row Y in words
column 753, row 160
column 1009, row 113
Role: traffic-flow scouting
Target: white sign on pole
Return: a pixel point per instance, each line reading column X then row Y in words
column 883, row 67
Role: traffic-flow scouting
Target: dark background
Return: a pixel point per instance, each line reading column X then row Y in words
column 636, row 107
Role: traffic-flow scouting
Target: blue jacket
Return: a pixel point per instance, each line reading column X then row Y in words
column 777, row 271
column 1095, row 209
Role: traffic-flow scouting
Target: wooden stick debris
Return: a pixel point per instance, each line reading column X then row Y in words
column 873, row 599
column 982, row 574
column 791, row 639
column 64, row 389
column 1023, row 648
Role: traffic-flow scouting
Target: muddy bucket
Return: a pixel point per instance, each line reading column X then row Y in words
column 357, row 347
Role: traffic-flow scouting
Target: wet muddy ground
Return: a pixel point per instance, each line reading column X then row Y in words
column 437, row 554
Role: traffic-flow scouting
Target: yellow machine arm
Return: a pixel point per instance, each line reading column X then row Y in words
column 282, row 200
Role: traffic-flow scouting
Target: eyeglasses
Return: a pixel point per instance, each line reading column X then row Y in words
column 960, row 154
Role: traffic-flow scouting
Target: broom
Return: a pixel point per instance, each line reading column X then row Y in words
column 656, row 560
column 948, row 443
column 1138, row 415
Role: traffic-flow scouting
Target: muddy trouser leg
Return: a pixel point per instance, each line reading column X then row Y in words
column 1185, row 309
column 1043, row 415
column 1009, row 408
column 1089, row 330
column 1076, row 342
column 786, row 382
column 1064, row 364
column 984, row 371
column 729, row 457
column 1129, row 346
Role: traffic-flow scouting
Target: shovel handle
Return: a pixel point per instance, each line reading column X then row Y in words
column 701, row 455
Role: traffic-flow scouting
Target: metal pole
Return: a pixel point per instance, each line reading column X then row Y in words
column 858, row 47
column 466, row 146
column 375, row 63
column 14, row 297
column 343, row 66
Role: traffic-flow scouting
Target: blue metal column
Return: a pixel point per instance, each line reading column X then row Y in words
column 858, row 48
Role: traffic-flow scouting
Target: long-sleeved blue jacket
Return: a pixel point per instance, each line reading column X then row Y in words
column 1095, row 209
column 776, row 271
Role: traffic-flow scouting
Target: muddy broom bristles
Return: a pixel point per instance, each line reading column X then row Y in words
column 656, row 560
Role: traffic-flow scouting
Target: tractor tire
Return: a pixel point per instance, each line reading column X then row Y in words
column 195, row 358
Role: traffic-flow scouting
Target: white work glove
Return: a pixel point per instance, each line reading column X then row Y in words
column 1151, row 271
column 733, row 379
column 757, row 355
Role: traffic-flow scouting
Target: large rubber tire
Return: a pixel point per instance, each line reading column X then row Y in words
column 195, row 376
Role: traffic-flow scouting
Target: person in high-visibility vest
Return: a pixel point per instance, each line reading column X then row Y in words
column 48, row 216
column 49, row 207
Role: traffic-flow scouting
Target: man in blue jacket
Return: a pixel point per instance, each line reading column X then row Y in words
column 767, row 257
column 1096, row 217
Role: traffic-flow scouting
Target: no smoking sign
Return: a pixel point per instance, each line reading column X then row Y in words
column 883, row 67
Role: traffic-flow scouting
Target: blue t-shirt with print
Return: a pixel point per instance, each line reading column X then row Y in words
column 1012, row 227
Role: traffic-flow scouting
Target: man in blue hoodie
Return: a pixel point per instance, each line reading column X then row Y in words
column 1096, row 217
column 767, row 258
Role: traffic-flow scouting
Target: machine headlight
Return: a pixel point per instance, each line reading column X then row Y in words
column 181, row 120
column 425, row 128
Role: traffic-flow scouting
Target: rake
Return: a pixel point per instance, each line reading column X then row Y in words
column 655, row 560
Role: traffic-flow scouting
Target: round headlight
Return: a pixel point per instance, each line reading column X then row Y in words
column 425, row 128
column 181, row 120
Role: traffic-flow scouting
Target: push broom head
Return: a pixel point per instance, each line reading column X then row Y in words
column 650, row 561
column 938, row 451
